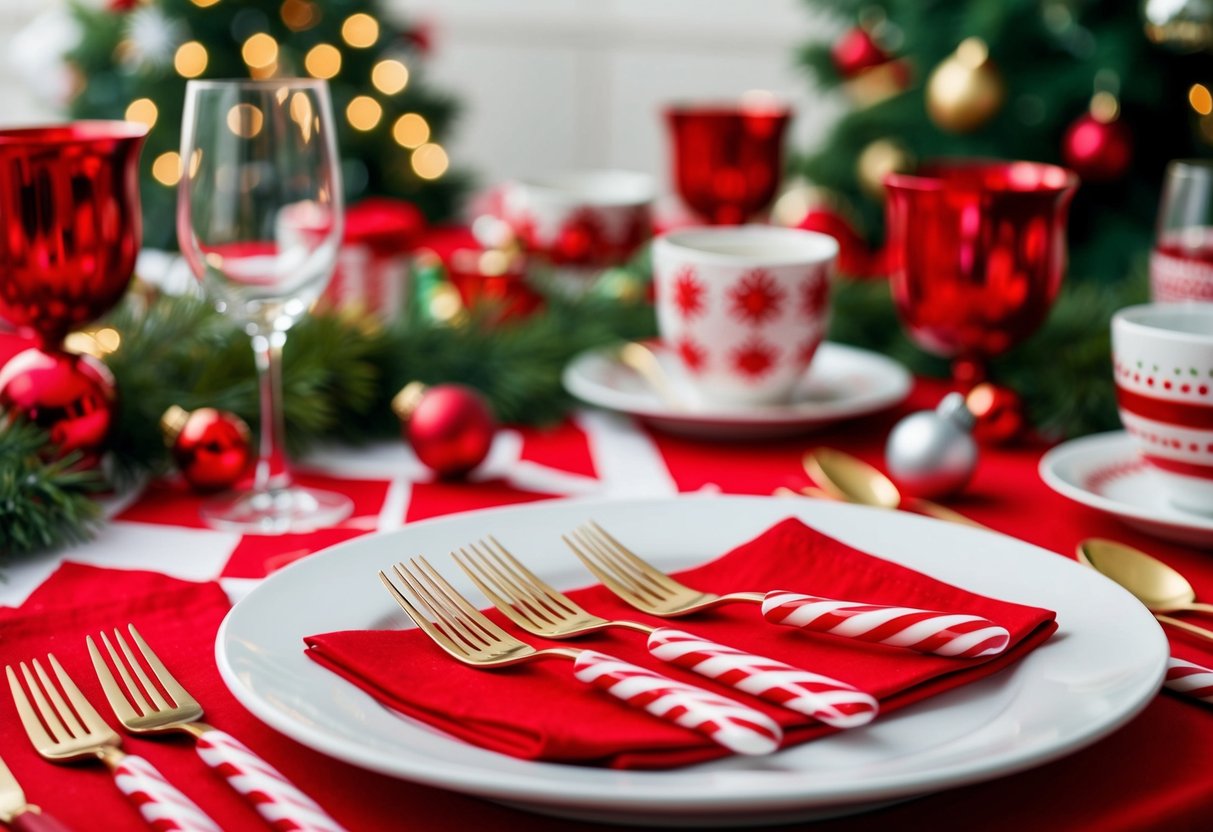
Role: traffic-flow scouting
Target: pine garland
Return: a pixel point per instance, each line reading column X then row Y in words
column 44, row 503
column 341, row 371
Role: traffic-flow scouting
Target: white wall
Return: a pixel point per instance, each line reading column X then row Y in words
column 552, row 85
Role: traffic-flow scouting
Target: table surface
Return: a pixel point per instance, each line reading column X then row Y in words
column 1149, row 774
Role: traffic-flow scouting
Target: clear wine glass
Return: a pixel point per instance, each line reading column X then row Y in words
column 259, row 219
column 1181, row 265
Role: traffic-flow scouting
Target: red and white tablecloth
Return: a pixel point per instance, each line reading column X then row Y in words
column 1150, row 774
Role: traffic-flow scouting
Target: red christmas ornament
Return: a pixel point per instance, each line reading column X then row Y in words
column 449, row 426
column 213, row 449
column 999, row 413
column 856, row 51
column 70, row 396
column 854, row 258
column 1098, row 146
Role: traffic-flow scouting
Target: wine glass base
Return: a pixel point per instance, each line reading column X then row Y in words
column 277, row 511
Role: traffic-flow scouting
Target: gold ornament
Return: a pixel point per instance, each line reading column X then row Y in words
column 1185, row 26
column 966, row 90
column 878, row 160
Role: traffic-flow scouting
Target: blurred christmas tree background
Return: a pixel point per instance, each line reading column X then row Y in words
column 1082, row 83
column 132, row 60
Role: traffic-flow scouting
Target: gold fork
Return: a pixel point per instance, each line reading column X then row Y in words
column 20, row 815
column 469, row 637
column 537, row 607
column 278, row 800
column 647, row 588
column 61, row 733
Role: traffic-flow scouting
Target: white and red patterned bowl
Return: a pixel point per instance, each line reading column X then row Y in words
column 744, row 307
column 1162, row 356
column 590, row 219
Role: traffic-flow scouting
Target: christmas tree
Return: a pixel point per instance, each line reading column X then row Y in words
column 1112, row 90
column 1080, row 83
column 132, row 60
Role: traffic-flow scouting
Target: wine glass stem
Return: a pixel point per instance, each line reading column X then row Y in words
column 272, row 471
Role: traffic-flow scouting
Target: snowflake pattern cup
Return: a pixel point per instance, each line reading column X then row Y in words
column 744, row 308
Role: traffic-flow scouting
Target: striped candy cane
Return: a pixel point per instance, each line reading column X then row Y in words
column 162, row 806
column 826, row 700
column 735, row 726
column 944, row 634
column 277, row 799
column 1189, row 679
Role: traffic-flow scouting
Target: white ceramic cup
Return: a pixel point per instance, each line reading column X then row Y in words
column 1162, row 357
column 590, row 219
column 744, row 307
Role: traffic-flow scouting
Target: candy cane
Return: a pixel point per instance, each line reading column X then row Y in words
column 735, row 726
column 162, row 806
column 826, row 700
column 1190, row 680
column 277, row 799
column 944, row 634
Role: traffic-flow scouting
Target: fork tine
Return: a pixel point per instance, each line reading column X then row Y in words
column 524, row 591
column 541, row 588
column 440, row 615
column 49, row 715
column 613, row 574
column 133, row 694
column 29, row 718
column 88, row 714
column 482, row 575
column 623, row 554
column 113, row 691
column 470, row 613
column 604, row 573
column 151, row 690
column 74, row 728
column 642, row 582
column 174, row 688
column 420, row 620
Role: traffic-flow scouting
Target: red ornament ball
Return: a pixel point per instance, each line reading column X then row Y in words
column 856, row 51
column 70, row 396
column 998, row 413
column 1098, row 151
column 449, row 426
column 213, row 449
column 854, row 258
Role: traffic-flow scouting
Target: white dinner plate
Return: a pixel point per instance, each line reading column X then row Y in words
column 1102, row 666
column 1107, row 473
column 842, row 383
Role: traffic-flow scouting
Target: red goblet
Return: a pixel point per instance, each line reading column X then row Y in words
column 977, row 253
column 69, row 203
column 728, row 158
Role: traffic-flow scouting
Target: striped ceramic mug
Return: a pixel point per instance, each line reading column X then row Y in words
column 1162, row 356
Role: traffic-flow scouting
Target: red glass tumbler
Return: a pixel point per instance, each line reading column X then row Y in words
column 728, row 158
column 977, row 253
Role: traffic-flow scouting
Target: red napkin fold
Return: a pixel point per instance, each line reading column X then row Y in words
column 537, row 711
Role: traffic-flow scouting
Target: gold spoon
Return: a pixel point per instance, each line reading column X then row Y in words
column 846, row 478
column 645, row 363
column 1151, row 581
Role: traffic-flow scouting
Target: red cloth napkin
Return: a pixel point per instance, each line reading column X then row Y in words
column 537, row 711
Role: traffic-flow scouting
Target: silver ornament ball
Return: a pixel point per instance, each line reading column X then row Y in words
column 932, row 453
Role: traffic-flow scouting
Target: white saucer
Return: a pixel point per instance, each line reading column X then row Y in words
column 1106, row 472
column 842, row 383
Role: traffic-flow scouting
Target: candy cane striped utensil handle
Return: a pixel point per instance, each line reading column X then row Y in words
column 737, row 727
column 274, row 797
column 35, row 820
column 826, row 700
column 1191, row 680
column 162, row 806
column 927, row 631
